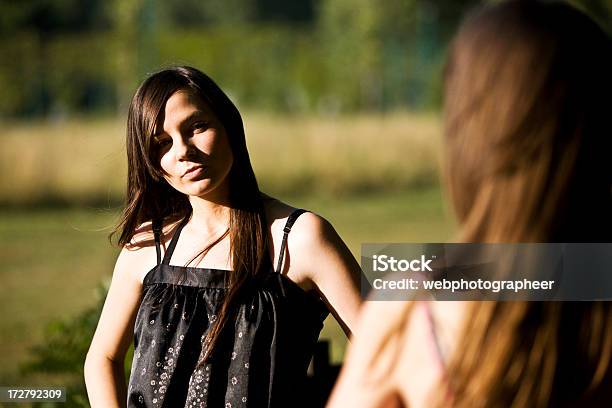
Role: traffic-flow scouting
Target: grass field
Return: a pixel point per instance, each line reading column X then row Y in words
column 83, row 161
column 374, row 177
column 54, row 259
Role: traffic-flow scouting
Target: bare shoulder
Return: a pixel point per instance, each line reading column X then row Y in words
column 312, row 238
column 139, row 255
column 371, row 326
column 309, row 228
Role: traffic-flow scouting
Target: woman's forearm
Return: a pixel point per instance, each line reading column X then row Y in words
column 105, row 381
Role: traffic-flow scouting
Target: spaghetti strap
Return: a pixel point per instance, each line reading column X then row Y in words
column 290, row 220
column 172, row 245
column 440, row 355
column 157, row 229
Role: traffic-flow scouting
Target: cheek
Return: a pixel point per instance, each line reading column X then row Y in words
column 218, row 150
column 168, row 166
column 165, row 162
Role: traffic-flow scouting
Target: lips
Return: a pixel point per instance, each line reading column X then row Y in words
column 193, row 171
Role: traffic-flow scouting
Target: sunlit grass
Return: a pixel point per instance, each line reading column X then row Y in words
column 54, row 259
column 375, row 177
column 84, row 161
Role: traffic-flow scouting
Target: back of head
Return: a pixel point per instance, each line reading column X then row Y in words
column 527, row 132
column 527, row 95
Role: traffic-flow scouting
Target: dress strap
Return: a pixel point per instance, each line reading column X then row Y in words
column 290, row 220
column 172, row 245
column 435, row 338
column 157, row 229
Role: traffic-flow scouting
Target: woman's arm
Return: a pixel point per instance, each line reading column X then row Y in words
column 317, row 252
column 104, row 365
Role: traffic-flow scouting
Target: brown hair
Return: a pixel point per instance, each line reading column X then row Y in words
column 527, row 144
column 527, row 140
column 150, row 197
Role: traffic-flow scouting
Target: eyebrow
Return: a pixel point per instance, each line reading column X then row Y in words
column 193, row 115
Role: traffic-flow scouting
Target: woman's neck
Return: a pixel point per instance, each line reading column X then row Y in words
column 209, row 216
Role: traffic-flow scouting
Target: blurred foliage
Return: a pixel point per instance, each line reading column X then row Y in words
column 383, row 55
column 197, row 13
column 67, row 342
column 62, row 354
column 66, row 56
column 54, row 16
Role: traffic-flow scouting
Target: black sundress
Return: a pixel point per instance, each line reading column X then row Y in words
column 259, row 362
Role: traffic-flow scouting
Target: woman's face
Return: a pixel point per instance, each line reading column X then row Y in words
column 193, row 147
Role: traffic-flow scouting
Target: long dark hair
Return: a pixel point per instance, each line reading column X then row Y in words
column 527, row 124
column 150, row 197
column 528, row 137
column 527, row 143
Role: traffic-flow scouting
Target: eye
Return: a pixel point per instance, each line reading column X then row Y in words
column 162, row 142
column 199, row 126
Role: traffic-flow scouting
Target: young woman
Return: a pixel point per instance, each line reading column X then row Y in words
column 224, row 288
column 527, row 143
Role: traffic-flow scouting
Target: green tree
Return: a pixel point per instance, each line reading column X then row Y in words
column 354, row 34
column 203, row 13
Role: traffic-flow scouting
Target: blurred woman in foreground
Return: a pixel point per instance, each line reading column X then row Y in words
column 527, row 159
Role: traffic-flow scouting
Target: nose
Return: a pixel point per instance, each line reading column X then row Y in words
column 183, row 149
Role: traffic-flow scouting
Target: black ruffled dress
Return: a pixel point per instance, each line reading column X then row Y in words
column 259, row 362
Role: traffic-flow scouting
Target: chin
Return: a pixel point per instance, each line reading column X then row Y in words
column 201, row 188
column 197, row 192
